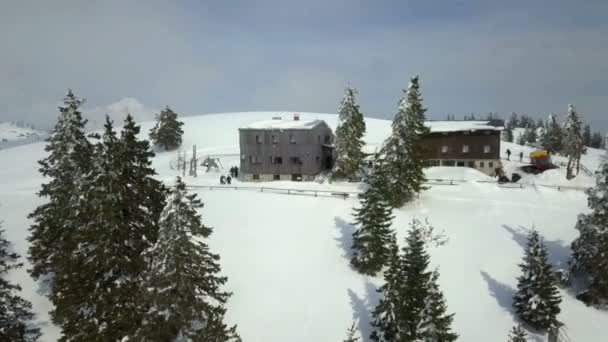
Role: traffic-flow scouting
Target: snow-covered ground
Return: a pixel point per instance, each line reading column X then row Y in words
column 12, row 135
column 286, row 257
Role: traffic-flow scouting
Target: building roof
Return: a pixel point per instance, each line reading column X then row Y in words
column 461, row 126
column 283, row 124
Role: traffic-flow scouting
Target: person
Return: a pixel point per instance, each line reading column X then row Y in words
column 236, row 172
column 232, row 171
column 508, row 154
column 228, row 179
column 521, row 157
column 222, row 180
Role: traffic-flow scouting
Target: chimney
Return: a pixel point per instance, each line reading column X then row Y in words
column 296, row 117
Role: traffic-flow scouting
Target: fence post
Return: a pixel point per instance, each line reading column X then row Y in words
column 315, row 194
column 288, row 192
column 558, row 188
column 451, row 183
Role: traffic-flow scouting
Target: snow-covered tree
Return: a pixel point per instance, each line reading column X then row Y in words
column 15, row 312
column 553, row 137
column 349, row 137
column 574, row 145
column 351, row 334
column 537, row 299
column 508, row 134
column 68, row 160
column 587, row 135
column 405, row 293
column 596, row 140
column 184, row 296
column 435, row 323
column 404, row 149
column 590, row 249
column 373, row 237
column 167, row 132
column 530, row 135
column 518, row 334
column 521, row 139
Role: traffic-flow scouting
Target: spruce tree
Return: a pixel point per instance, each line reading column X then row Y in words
column 373, row 237
column 590, row 249
column 596, row 140
column 404, row 150
column 530, row 135
column 350, row 334
column 15, row 312
column 349, row 137
column 574, row 146
column 167, row 132
column 68, row 160
column 587, row 135
column 435, row 324
column 518, row 334
column 183, row 296
column 508, row 134
column 537, row 299
column 398, row 314
column 553, row 139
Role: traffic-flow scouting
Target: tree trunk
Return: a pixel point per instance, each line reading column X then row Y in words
column 569, row 169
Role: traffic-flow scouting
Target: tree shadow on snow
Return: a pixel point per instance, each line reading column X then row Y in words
column 559, row 252
column 345, row 239
column 363, row 308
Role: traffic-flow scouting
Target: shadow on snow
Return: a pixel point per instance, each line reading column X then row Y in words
column 363, row 308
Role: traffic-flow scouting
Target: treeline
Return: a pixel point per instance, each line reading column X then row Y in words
column 124, row 257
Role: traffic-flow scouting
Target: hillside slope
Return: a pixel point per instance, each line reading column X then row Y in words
column 286, row 257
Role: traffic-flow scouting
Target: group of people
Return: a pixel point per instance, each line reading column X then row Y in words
column 225, row 179
column 521, row 155
column 234, row 173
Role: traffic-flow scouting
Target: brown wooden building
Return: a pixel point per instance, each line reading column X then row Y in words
column 474, row 144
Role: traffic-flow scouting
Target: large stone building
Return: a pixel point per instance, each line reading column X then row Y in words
column 474, row 144
column 285, row 149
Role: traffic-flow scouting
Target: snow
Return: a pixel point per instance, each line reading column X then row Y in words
column 460, row 126
column 283, row 124
column 11, row 135
column 286, row 256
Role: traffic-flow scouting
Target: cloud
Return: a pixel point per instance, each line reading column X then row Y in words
column 117, row 112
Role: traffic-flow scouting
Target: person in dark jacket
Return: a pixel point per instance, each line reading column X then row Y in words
column 508, row 154
column 521, row 156
column 229, row 179
column 222, row 180
column 236, row 172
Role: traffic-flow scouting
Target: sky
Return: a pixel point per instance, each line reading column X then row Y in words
column 477, row 56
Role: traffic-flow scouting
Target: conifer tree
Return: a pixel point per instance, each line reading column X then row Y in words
column 508, row 135
column 184, row 298
column 404, row 150
column 68, row 160
column 167, row 132
column 518, row 334
column 350, row 334
column 405, row 293
column 15, row 312
column 574, row 146
column 587, row 135
column 537, row 299
column 590, row 249
column 435, row 324
column 596, row 140
column 553, row 138
column 349, row 137
column 521, row 139
column 530, row 135
column 373, row 237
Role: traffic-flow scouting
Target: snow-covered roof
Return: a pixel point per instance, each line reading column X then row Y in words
column 283, row 124
column 460, row 126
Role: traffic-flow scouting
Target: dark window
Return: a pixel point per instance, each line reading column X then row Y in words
column 460, row 163
column 448, row 163
column 258, row 139
column 472, row 164
column 490, row 164
column 275, row 139
column 276, row 177
column 482, row 164
column 296, row 160
column 328, row 139
column 256, row 176
column 296, row 177
column 292, row 139
column 277, row 160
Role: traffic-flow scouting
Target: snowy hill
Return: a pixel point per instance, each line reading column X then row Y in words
column 287, row 256
column 12, row 134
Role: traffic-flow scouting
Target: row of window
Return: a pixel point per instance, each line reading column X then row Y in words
column 459, row 163
column 292, row 139
column 278, row 160
column 466, row 149
column 294, row 177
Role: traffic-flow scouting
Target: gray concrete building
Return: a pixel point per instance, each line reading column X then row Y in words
column 285, row 149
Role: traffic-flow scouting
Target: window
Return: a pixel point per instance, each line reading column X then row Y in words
column 275, row 139
column 482, row 164
column 431, row 163
column 465, row 148
column 460, row 164
column 472, row 164
column 490, row 164
column 255, row 176
column 276, row 177
column 295, row 160
column 486, row 149
column 258, row 139
column 292, row 139
column 448, row 163
column 277, row 160
column 255, row 160
column 328, row 139
column 444, row 149
column 296, row 177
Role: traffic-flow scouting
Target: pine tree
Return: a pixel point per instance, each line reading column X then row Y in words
column 553, row 138
column 184, row 298
column 521, row 139
column 513, row 121
column 530, row 135
column 398, row 314
column 518, row 334
column 167, row 132
column 404, row 149
column 587, row 135
column 435, row 324
column 350, row 334
column 537, row 299
column 68, row 160
column 590, row 249
column 508, row 134
column 574, row 146
column 596, row 140
column 15, row 312
column 349, row 137
column 373, row 237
